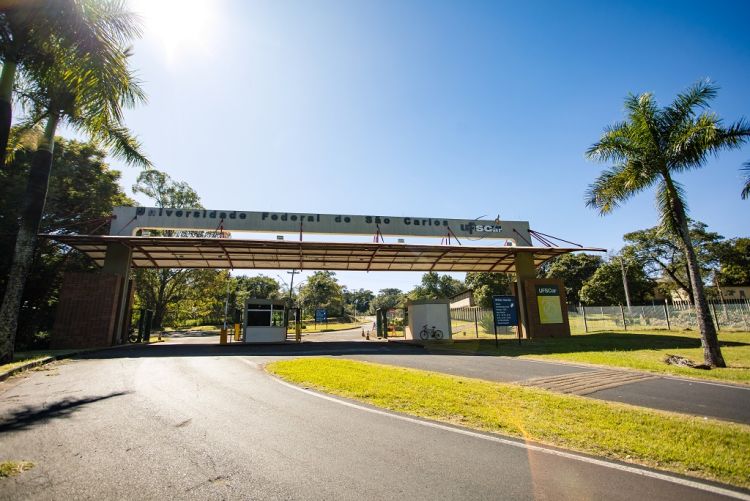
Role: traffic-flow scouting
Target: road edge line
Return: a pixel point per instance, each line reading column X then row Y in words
column 537, row 448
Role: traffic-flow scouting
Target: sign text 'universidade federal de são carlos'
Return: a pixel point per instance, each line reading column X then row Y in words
column 127, row 220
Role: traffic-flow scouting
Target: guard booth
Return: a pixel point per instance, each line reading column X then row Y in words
column 265, row 321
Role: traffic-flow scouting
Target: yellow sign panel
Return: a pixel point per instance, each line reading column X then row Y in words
column 550, row 311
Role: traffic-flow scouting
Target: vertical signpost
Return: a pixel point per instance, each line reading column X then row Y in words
column 505, row 313
column 321, row 315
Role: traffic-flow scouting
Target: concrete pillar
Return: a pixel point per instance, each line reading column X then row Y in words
column 117, row 261
column 525, row 270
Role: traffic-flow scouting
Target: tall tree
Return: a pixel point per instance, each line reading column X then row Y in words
column 66, row 91
column 734, row 262
column 165, row 191
column 484, row 285
column 605, row 287
column 436, row 286
column 83, row 191
column 388, row 298
column 573, row 270
column 649, row 148
column 358, row 299
column 322, row 290
column 663, row 254
column 94, row 31
column 165, row 290
column 261, row 287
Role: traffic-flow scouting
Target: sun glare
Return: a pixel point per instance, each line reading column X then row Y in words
column 180, row 26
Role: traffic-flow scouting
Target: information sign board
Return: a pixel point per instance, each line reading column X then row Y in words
column 321, row 315
column 504, row 311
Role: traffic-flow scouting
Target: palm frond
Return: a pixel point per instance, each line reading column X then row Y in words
column 691, row 146
column 114, row 137
column 688, row 103
column 89, row 94
column 644, row 120
column 23, row 136
column 618, row 184
column 614, row 146
column 746, row 189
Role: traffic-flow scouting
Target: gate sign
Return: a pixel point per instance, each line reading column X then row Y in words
column 128, row 220
column 321, row 315
column 548, row 299
column 504, row 311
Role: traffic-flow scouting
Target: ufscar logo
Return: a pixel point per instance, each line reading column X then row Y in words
column 482, row 228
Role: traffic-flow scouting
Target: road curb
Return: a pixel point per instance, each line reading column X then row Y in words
column 26, row 366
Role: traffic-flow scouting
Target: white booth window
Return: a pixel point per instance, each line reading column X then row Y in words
column 277, row 316
column 265, row 315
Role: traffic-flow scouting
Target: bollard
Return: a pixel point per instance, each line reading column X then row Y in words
column 368, row 335
column 363, row 332
column 223, row 336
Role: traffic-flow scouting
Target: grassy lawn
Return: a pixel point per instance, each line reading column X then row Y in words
column 195, row 328
column 22, row 357
column 18, row 361
column 643, row 350
column 694, row 446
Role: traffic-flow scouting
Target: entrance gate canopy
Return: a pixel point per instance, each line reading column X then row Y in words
column 167, row 252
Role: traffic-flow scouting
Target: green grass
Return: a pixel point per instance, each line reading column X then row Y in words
column 199, row 328
column 22, row 357
column 690, row 445
column 19, row 361
column 11, row 468
column 642, row 350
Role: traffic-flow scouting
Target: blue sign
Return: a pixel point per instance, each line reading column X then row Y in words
column 504, row 311
column 321, row 315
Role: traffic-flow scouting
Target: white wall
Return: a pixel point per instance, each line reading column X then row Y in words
column 265, row 334
column 437, row 314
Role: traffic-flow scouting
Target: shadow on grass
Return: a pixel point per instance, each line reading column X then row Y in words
column 28, row 415
column 605, row 341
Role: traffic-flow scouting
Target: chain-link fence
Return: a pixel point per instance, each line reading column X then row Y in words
column 734, row 316
column 473, row 321
column 728, row 316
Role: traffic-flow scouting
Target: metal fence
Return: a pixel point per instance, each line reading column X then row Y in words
column 477, row 322
column 727, row 315
column 734, row 316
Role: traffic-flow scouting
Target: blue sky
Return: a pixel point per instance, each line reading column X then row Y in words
column 446, row 109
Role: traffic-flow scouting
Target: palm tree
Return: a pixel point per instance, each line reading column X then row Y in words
column 67, row 91
column 94, row 29
column 746, row 189
column 649, row 148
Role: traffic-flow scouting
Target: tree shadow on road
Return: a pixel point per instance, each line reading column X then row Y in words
column 29, row 415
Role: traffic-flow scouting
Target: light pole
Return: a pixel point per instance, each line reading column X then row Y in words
column 291, row 285
column 624, row 270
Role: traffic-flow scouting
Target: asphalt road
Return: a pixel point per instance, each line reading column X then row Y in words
column 205, row 422
column 710, row 399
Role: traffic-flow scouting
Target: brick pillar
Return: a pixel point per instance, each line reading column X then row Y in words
column 87, row 311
